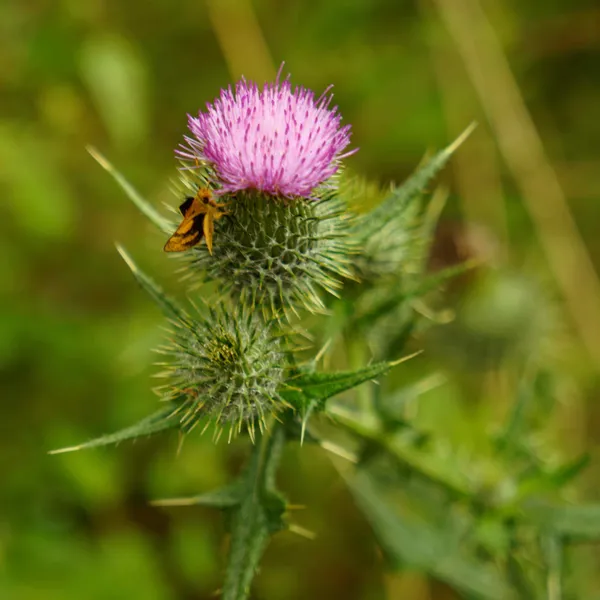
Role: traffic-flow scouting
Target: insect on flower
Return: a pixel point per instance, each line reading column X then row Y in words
column 199, row 214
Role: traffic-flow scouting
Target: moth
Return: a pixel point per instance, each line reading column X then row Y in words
column 199, row 216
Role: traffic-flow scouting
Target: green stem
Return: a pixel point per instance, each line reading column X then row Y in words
column 257, row 517
column 552, row 547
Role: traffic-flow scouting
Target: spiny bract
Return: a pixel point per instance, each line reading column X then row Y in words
column 276, row 255
column 226, row 367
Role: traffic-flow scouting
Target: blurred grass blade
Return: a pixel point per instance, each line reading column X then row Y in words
column 543, row 480
column 552, row 547
column 161, row 420
column 434, row 550
column 170, row 308
column 115, row 74
column 142, row 204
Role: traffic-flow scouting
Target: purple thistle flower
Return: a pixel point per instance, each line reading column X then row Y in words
column 278, row 140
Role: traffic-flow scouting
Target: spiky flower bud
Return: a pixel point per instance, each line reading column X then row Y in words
column 225, row 368
column 271, row 156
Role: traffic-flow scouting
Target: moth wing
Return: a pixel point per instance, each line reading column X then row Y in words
column 185, row 206
column 187, row 235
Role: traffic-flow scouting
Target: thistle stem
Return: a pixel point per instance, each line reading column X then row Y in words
column 258, row 516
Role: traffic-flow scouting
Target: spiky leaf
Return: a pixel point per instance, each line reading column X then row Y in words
column 161, row 420
column 311, row 388
column 400, row 198
column 308, row 390
column 169, row 308
column 142, row 204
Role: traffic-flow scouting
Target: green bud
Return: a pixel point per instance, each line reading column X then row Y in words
column 276, row 253
column 226, row 367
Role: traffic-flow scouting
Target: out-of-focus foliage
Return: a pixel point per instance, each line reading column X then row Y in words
column 76, row 333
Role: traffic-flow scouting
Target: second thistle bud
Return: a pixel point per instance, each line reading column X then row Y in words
column 226, row 369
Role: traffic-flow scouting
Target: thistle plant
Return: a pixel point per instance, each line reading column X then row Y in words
column 493, row 525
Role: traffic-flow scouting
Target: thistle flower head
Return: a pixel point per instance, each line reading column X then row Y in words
column 227, row 368
column 278, row 139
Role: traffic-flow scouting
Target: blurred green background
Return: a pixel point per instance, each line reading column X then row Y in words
column 76, row 333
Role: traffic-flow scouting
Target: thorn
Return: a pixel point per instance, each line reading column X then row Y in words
column 302, row 532
column 126, row 257
column 405, row 358
column 322, row 350
column 131, row 192
column 99, row 158
column 180, row 443
column 65, row 450
column 303, row 431
column 461, row 138
column 172, row 502
column 339, row 451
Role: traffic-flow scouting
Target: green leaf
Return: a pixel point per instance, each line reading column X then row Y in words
column 170, row 308
column 161, row 420
column 523, row 576
column 574, row 523
column 308, row 391
column 306, row 388
column 258, row 515
column 541, row 481
column 569, row 471
column 143, row 205
column 408, row 541
column 400, row 198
